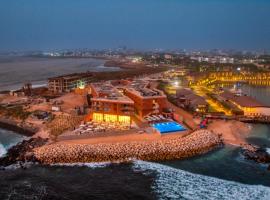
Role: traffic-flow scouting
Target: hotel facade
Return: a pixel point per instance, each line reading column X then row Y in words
column 109, row 105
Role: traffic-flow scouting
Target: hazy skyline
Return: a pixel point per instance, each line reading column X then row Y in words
column 140, row 24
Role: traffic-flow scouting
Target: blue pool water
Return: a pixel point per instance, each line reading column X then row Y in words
column 167, row 127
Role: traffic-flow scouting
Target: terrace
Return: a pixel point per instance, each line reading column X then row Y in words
column 106, row 91
column 94, row 128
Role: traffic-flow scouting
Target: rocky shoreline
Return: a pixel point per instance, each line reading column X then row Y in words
column 22, row 152
column 197, row 143
column 257, row 154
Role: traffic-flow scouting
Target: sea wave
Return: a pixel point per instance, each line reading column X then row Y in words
column 3, row 150
column 90, row 165
column 174, row 183
column 19, row 165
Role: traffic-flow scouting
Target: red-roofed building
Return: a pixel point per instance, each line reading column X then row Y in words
column 249, row 105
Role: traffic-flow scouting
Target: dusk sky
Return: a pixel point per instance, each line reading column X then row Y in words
column 141, row 24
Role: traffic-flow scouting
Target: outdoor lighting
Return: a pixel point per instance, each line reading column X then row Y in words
column 238, row 69
column 81, row 84
column 99, row 117
column 176, row 83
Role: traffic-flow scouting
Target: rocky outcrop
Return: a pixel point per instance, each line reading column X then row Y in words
column 255, row 153
column 22, row 152
column 196, row 143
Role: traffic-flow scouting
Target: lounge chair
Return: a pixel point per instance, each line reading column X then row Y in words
column 161, row 117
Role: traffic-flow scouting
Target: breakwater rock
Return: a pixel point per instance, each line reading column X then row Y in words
column 22, row 152
column 259, row 155
column 193, row 144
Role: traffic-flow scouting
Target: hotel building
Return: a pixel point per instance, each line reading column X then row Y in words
column 146, row 101
column 120, row 101
column 109, row 104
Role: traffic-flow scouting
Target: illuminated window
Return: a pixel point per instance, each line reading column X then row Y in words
column 110, row 118
column 124, row 119
column 98, row 117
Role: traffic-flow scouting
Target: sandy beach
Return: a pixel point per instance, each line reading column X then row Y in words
column 233, row 132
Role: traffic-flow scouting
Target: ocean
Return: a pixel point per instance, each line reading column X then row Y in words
column 220, row 174
column 15, row 70
column 136, row 180
column 8, row 139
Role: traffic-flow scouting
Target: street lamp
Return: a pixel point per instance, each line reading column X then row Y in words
column 176, row 83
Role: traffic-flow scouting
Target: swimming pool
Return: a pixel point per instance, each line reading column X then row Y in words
column 167, row 127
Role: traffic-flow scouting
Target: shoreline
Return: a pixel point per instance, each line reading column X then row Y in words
column 232, row 132
column 126, row 66
column 12, row 125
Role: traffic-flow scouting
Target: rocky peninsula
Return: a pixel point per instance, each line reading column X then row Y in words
column 196, row 143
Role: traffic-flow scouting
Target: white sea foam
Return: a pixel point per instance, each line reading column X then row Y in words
column 3, row 150
column 90, row 165
column 268, row 150
column 17, row 165
column 174, row 183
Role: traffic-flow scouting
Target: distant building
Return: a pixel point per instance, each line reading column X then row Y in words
column 187, row 99
column 249, row 105
column 168, row 56
column 66, row 83
column 214, row 59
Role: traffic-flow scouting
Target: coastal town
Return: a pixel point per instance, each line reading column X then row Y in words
column 147, row 111
column 135, row 100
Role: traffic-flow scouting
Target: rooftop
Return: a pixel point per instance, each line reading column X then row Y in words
column 106, row 91
column 140, row 87
column 191, row 96
column 243, row 101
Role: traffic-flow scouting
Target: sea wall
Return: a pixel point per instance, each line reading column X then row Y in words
column 13, row 126
column 196, row 143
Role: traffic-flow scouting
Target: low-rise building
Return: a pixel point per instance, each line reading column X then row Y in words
column 69, row 82
column 186, row 98
column 249, row 105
